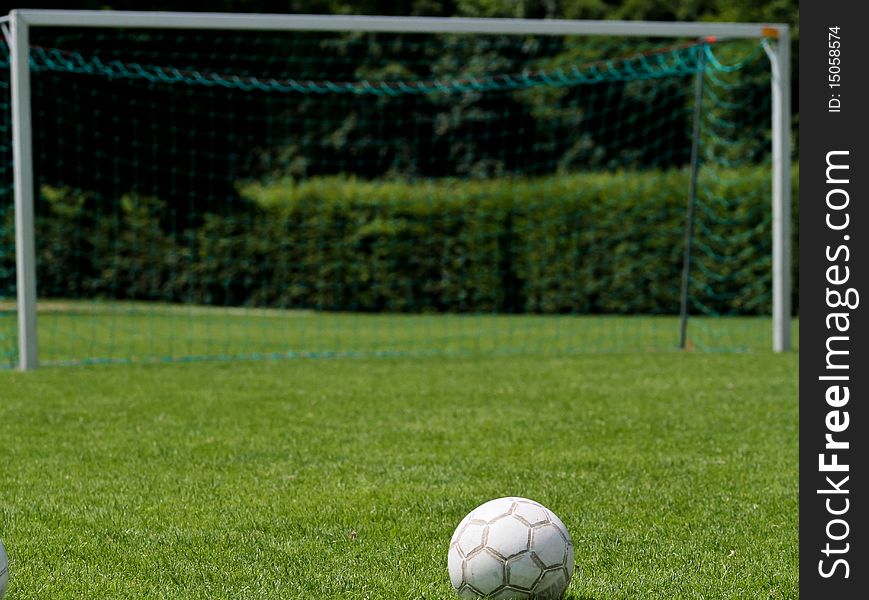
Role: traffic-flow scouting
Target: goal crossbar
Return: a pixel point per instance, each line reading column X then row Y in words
column 284, row 22
column 21, row 20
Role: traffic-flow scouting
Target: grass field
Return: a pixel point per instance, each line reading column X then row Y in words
column 676, row 473
column 74, row 332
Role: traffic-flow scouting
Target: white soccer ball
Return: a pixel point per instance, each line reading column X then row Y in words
column 510, row 548
column 4, row 570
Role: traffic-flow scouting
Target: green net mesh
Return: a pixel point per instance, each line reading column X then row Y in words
column 215, row 194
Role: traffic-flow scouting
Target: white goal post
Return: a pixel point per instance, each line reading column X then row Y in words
column 17, row 25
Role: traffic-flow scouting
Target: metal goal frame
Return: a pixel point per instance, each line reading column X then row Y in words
column 16, row 27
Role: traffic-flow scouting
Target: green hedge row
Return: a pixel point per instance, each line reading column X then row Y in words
column 600, row 243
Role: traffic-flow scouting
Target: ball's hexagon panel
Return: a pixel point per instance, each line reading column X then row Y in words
column 471, row 538
column 493, row 509
column 467, row 592
column 523, row 571
column 569, row 560
column 552, row 584
column 557, row 522
column 531, row 513
column 485, row 572
column 509, row 593
column 454, row 566
column 549, row 545
column 508, row 536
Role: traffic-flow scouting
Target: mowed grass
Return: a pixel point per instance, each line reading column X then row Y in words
column 675, row 473
column 82, row 332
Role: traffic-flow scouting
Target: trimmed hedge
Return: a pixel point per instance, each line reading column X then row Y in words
column 597, row 243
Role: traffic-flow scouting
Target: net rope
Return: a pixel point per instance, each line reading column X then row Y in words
column 217, row 195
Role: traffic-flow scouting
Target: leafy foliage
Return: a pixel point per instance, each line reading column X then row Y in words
column 548, row 245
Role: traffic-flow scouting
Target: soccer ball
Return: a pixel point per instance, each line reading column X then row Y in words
column 510, row 548
column 4, row 570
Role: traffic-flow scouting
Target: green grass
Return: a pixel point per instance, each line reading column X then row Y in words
column 80, row 332
column 675, row 473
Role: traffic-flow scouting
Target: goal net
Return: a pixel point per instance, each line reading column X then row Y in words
column 216, row 194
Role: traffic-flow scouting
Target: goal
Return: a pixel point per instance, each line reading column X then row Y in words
column 180, row 186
